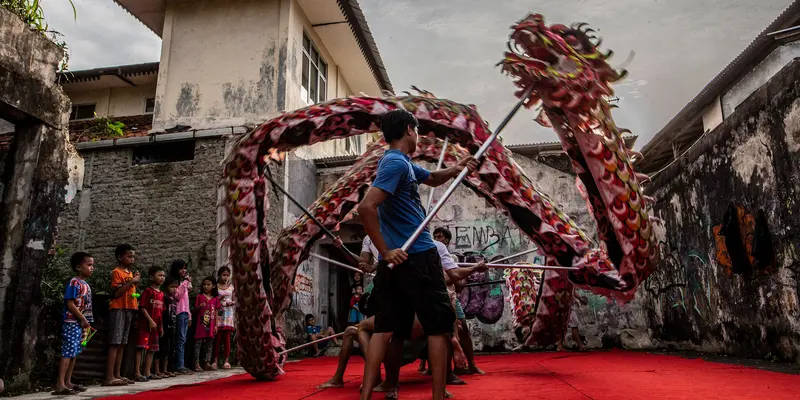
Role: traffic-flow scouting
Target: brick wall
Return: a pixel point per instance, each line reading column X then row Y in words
column 165, row 210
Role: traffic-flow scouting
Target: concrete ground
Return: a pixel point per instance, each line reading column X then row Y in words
column 103, row 391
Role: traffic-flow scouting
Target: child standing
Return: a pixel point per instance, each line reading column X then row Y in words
column 77, row 319
column 225, row 321
column 180, row 272
column 166, row 344
column 206, row 307
column 123, row 308
column 355, row 316
column 150, row 327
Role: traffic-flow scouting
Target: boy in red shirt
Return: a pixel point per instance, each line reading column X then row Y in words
column 151, row 327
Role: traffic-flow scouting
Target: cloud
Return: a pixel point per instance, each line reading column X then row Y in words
column 103, row 35
column 450, row 47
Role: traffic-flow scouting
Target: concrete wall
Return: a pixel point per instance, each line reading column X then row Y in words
column 219, row 63
column 759, row 76
column 115, row 102
column 694, row 300
column 712, row 115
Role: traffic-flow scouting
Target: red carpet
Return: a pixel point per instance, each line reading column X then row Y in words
column 596, row 375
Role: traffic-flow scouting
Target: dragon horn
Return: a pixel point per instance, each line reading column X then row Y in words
column 589, row 30
column 642, row 177
column 635, row 154
column 609, row 54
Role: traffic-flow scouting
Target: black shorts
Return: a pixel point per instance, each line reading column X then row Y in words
column 166, row 344
column 414, row 287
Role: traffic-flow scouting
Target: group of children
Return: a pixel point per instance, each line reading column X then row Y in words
column 161, row 314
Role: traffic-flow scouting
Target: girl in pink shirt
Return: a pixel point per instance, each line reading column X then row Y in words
column 180, row 271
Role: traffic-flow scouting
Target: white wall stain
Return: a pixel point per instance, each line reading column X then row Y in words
column 752, row 155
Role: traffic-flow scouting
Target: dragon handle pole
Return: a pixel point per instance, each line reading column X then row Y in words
column 438, row 167
column 350, row 255
column 522, row 266
column 464, row 172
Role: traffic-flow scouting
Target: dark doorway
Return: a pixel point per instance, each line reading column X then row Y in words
column 339, row 287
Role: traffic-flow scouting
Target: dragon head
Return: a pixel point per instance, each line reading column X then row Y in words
column 562, row 64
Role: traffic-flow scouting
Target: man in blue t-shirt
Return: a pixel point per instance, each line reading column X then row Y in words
column 390, row 212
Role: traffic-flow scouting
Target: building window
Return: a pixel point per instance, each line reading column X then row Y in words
column 315, row 73
column 82, row 111
column 149, row 105
column 166, row 152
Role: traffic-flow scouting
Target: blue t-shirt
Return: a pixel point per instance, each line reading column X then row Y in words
column 78, row 290
column 313, row 329
column 402, row 211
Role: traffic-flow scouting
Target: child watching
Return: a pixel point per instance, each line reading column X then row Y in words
column 180, row 272
column 123, row 308
column 150, row 327
column 77, row 319
column 355, row 316
column 206, row 307
column 166, row 344
column 315, row 332
column 225, row 318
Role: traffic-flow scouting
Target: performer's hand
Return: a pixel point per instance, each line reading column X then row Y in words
column 153, row 325
column 338, row 242
column 85, row 323
column 481, row 267
column 136, row 277
column 469, row 162
column 395, row 256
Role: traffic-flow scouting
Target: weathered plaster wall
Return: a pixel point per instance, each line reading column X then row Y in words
column 337, row 85
column 217, row 69
column 117, row 101
column 35, row 170
column 693, row 301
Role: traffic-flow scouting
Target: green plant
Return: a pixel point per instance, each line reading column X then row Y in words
column 31, row 12
column 104, row 127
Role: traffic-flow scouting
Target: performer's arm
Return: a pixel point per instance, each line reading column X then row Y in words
column 457, row 274
column 368, row 211
column 441, row 176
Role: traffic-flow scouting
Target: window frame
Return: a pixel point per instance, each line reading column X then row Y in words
column 73, row 110
column 318, row 69
column 146, row 99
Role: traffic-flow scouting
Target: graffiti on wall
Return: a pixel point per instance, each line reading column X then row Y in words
column 743, row 241
column 683, row 282
column 304, row 289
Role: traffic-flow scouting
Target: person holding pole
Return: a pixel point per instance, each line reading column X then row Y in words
column 391, row 211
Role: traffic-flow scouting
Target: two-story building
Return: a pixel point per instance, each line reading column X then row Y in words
column 224, row 66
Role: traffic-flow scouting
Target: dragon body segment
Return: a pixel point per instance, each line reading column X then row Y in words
column 591, row 140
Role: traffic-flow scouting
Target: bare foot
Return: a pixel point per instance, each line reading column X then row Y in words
column 332, row 383
column 227, row 365
column 383, row 387
column 448, row 395
column 475, row 371
column 392, row 394
column 214, row 366
column 454, row 380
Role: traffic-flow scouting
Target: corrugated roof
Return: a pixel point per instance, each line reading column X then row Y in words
column 96, row 73
column 358, row 24
column 660, row 145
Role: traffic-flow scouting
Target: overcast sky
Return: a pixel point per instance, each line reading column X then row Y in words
column 450, row 47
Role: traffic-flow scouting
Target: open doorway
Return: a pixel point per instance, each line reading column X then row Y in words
column 340, row 282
